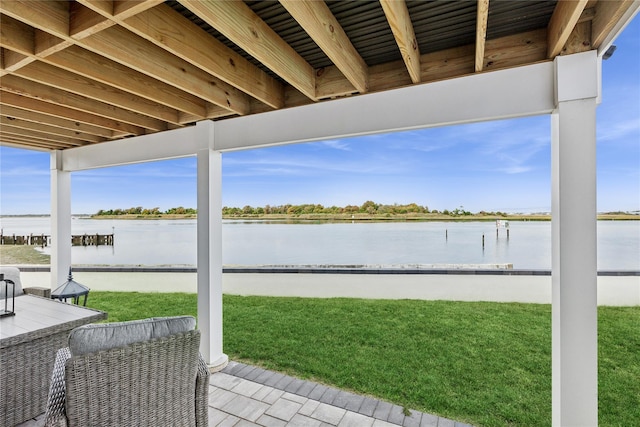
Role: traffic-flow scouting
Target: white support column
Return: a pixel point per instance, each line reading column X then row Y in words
column 210, row 249
column 574, row 261
column 60, row 221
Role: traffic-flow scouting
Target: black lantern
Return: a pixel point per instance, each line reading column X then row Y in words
column 9, row 295
column 71, row 289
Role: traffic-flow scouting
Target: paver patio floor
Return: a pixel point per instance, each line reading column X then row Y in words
column 246, row 396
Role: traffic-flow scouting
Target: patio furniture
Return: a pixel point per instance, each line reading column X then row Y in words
column 28, row 344
column 13, row 274
column 144, row 373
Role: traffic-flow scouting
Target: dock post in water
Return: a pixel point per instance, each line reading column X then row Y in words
column 44, row 240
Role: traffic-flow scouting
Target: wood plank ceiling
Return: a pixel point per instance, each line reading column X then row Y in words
column 88, row 71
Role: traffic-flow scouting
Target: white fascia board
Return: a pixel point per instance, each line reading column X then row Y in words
column 170, row 144
column 515, row 92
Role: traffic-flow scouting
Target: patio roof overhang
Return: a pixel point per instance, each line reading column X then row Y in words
column 101, row 83
column 77, row 73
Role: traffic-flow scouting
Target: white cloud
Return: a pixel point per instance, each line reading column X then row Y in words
column 337, row 144
column 23, row 171
column 515, row 169
column 613, row 131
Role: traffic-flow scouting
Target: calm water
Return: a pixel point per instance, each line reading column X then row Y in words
column 173, row 242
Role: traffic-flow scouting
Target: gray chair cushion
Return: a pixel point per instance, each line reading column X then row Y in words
column 96, row 337
column 11, row 273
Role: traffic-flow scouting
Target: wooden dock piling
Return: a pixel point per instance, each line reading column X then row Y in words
column 44, row 240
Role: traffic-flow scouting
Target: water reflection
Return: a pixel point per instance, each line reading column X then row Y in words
column 173, row 242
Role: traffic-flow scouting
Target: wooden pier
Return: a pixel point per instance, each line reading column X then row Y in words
column 45, row 240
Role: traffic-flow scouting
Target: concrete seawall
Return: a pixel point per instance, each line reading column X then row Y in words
column 614, row 288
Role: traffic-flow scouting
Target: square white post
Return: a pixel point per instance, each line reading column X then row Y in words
column 60, row 221
column 210, row 249
column 574, row 260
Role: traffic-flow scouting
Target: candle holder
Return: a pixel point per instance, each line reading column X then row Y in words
column 9, row 296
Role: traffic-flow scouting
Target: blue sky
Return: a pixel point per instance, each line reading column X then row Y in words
column 502, row 165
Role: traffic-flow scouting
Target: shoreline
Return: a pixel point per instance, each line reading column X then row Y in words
column 390, row 269
column 372, row 218
column 347, row 217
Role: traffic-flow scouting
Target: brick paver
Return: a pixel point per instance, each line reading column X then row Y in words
column 295, row 402
column 247, row 396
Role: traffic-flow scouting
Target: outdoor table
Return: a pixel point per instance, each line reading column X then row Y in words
column 28, row 344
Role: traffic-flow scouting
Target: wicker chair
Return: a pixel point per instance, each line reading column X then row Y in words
column 157, row 382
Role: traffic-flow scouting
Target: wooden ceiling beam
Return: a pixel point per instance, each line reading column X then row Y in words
column 316, row 19
column 14, row 61
column 14, row 35
column 84, row 22
column 248, row 31
column 18, row 41
column 120, row 9
column 49, row 16
column 331, row 83
column 400, row 22
column 36, row 117
column 49, row 75
column 43, row 18
column 515, row 50
column 579, row 40
column 171, row 31
column 118, row 45
column 160, row 26
column 36, row 135
column 20, row 86
column 213, row 111
column 587, row 15
column 61, row 111
column 48, row 44
column 19, row 141
column 504, row 52
column 47, row 129
column 124, row 9
column 101, row 69
column 481, row 33
column 563, row 21
column 607, row 14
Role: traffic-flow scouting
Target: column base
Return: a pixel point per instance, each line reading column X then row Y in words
column 219, row 364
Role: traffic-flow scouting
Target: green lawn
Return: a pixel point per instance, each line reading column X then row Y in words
column 488, row 364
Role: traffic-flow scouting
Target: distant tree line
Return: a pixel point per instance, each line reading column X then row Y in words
column 147, row 211
column 368, row 207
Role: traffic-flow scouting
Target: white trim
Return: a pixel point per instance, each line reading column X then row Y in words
column 514, row 92
column 209, row 276
column 140, row 149
column 576, row 78
column 60, row 221
column 574, row 240
column 502, row 94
